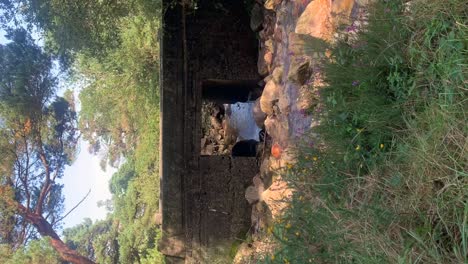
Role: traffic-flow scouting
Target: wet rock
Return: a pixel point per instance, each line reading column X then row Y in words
column 299, row 71
column 272, row 4
column 256, row 17
column 270, row 95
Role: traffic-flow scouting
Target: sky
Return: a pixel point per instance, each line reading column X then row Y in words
column 83, row 175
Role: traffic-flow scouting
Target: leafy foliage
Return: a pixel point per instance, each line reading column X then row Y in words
column 38, row 137
column 120, row 118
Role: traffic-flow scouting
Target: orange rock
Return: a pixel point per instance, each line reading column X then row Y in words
column 276, row 150
column 315, row 20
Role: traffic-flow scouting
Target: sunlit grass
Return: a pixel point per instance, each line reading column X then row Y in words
column 390, row 183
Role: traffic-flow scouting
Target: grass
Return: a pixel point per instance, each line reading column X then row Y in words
column 389, row 182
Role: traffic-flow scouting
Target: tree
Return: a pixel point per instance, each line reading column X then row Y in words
column 38, row 138
column 96, row 240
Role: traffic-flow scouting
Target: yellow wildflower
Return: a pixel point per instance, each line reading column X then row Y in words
column 358, row 147
column 288, row 225
column 382, row 146
column 298, row 234
column 315, row 158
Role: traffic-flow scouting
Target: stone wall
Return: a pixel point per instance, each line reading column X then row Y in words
column 212, row 42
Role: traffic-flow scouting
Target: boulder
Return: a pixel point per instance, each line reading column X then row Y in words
column 277, row 75
column 321, row 17
column 272, row 4
column 265, row 58
column 315, row 20
column 277, row 197
column 251, row 195
column 341, row 10
column 256, row 17
column 278, row 128
column 269, row 96
column 299, row 70
column 258, row 114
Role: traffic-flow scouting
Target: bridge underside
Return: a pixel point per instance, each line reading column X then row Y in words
column 202, row 197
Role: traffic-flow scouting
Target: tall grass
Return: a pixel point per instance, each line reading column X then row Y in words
column 390, row 184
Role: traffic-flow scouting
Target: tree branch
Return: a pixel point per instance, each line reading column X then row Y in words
column 71, row 210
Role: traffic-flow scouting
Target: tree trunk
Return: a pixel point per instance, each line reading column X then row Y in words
column 45, row 229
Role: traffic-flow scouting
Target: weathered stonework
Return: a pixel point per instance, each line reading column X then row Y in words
column 202, row 197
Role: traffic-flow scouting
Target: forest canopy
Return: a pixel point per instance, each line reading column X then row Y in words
column 112, row 47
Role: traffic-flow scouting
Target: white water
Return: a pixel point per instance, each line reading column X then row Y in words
column 242, row 120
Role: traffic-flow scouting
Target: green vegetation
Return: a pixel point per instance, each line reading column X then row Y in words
column 112, row 49
column 388, row 182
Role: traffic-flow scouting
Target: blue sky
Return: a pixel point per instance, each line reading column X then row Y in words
column 83, row 175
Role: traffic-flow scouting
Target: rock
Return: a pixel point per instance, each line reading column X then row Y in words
column 341, row 10
column 265, row 58
column 271, row 4
column 278, row 128
column 269, row 96
column 256, row 17
column 277, row 197
column 222, row 148
column 215, row 123
column 277, row 75
column 296, row 44
column 172, row 246
column 157, row 218
column 230, row 134
column 252, row 195
column 316, row 20
column 268, row 58
column 209, row 149
column 243, row 253
column 259, row 186
column 258, row 114
column 320, row 18
column 284, row 104
column 262, row 67
column 299, row 71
